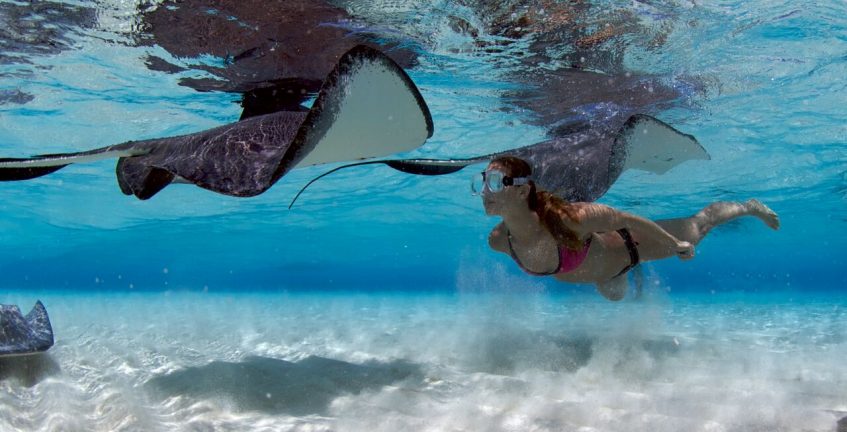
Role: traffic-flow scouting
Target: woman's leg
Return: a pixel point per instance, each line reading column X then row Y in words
column 693, row 229
column 615, row 288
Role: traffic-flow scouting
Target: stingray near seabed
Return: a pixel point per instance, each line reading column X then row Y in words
column 24, row 335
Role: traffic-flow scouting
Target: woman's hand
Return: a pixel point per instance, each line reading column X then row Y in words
column 684, row 250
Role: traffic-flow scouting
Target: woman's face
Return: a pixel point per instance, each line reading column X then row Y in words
column 498, row 197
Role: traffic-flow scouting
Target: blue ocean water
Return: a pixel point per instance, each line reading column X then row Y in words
column 375, row 303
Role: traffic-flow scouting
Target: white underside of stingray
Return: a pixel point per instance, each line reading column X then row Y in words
column 656, row 147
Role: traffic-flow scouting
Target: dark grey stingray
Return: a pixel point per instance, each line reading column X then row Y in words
column 367, row 107
column 22, row 335
column 578, row 166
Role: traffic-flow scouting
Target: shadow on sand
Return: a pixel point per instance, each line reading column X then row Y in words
column 28, row 369
column 280, row 387
column 552, row 352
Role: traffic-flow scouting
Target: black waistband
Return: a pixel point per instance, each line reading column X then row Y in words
column 634, row 259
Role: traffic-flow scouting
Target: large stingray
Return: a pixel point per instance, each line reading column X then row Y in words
column 580, row 165
column 367, row 107
column 22, row 335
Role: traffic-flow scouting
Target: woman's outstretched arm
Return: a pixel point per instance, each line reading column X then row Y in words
column 592, row 217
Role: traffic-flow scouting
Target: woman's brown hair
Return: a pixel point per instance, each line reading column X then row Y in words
column 551, row 210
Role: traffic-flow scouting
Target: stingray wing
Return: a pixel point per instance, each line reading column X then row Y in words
column 238, row 159
column 368, row 107
column 653, row 145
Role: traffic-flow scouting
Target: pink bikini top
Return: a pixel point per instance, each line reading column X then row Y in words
column 569, row 260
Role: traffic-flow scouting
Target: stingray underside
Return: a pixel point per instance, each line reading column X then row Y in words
column 649, row 144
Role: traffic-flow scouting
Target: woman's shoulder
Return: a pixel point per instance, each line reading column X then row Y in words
column 581, row 211
column 588, row 217
column 499, row 237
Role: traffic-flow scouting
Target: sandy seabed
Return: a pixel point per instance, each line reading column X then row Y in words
column 467, row 360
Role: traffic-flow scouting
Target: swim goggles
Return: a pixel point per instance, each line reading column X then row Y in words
column 494, row 181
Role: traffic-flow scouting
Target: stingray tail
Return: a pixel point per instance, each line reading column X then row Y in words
column 429, row 167
column 648, row 144
column 13, row 169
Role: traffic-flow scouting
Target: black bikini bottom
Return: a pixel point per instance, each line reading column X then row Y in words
column 634, row 259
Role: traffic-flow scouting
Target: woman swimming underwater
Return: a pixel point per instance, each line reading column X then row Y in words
column 584, row 242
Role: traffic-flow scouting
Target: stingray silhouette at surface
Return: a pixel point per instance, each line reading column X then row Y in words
column 275, row 54
column 367, row 107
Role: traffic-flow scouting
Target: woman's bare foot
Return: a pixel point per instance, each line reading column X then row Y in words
column 763, row 212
